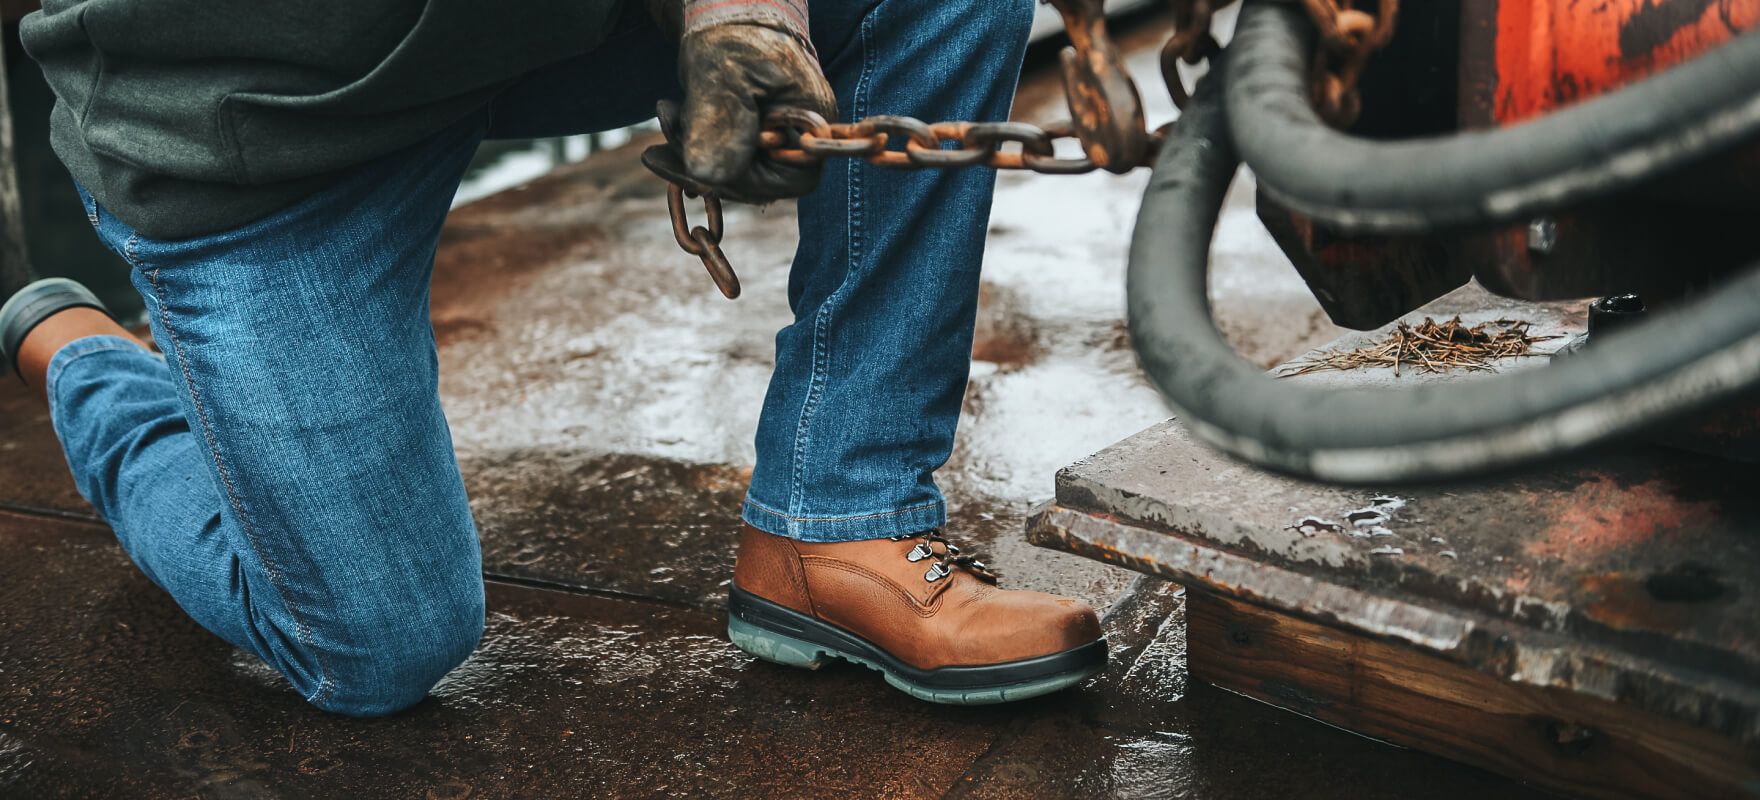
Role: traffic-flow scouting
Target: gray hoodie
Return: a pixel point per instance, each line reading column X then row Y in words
column 188, row 117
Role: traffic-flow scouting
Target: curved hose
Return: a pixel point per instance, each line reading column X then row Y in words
column 1510, row 174
column 1680, row 361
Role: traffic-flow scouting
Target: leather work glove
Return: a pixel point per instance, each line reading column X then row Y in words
column 737, row 60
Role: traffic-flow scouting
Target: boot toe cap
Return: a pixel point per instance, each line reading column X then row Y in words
column 1021, row 625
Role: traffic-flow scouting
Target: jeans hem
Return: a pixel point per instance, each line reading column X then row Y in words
column 853, row 528
column 80, row 348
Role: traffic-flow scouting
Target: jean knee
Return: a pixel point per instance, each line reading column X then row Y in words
column 399, row 656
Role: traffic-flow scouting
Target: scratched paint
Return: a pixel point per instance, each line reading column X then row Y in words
column 1600, row 517
column 1551, row 53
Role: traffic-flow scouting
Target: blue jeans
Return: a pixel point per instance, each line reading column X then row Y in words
column 286, row 471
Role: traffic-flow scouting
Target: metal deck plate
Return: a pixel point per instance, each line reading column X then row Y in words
column 1630, row 575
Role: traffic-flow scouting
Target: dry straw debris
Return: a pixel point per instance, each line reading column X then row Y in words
column 1431, row 346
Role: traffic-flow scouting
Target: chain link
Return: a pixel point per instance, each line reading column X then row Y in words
column 704, row 243
column 1107, row 114
column 798, row 136
column 1191, row 42
column 1348, row 37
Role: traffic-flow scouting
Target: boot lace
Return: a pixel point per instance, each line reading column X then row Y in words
column 946, row 558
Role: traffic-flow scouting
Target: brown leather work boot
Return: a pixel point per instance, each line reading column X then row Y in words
column 931, row 620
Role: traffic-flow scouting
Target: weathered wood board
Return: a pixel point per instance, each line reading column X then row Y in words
column 1559, row 739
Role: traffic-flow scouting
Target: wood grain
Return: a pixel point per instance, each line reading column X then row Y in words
column 1561, row 740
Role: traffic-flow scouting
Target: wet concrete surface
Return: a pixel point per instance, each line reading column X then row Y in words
column 569, row 695
column 111, row 692
column 34, row 472
column 603, row 400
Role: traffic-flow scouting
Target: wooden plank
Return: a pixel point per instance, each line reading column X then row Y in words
column 1559, row 739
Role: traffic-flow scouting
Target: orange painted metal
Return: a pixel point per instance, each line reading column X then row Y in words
column 1526, row 58
column 1517, row 60
column 1551, row 53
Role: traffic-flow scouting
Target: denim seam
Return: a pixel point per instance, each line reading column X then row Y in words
column 852, row 260
column 857, row 518
column 59, row 364
column 303, row 630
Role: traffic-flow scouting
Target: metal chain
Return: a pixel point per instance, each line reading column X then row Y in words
column 1348, row 37
column 1107, row 113
column 1191, row 42
column 798, row 136
column 704, row 243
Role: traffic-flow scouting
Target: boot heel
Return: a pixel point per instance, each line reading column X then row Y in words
column 775, row 647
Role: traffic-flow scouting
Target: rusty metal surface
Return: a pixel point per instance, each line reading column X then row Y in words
column 1524, row 58
column 1631, row 575
column 1632, row 243
column 1365, row 282
column 619, row 524
column 1550, row 53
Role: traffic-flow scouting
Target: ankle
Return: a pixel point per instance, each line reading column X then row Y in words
column 40, row 319
column 57, row 331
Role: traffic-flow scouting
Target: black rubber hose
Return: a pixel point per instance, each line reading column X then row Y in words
column 1691, row 111
column 1699, row 354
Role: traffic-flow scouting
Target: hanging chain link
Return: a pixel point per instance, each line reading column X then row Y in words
column 1191, row 42
column 704, row 243
column 1106, row 113
column 1348, row 37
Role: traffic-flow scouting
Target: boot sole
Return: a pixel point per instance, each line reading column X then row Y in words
column 783, row 636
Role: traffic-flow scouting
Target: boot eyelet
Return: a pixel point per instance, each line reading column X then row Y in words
column 936, row 572
column 918, row 553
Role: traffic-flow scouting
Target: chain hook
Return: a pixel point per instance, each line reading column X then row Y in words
column 1103, row 100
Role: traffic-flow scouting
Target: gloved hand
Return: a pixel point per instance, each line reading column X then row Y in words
column 737, row 60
